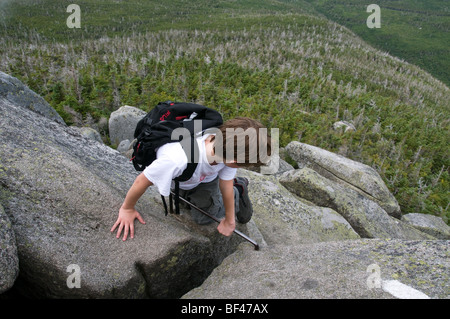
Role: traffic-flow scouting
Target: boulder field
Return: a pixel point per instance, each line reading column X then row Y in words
column 329, row 229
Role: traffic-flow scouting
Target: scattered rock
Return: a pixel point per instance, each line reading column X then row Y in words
column 358, row 176
column 429, row 224
column 365, row 216
column 348, row 127
column 276, row 166
column 282, row 217
column 89, row 133
column 122, row 123
column 60, row 192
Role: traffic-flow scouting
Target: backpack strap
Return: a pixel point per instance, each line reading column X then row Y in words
column 165, row 204
column 187, row 174
column 177, row 197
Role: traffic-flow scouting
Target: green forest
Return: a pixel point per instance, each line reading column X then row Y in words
column 414, row 30
column 280, row 62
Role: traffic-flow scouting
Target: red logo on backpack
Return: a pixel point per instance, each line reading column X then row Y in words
column 165, row 115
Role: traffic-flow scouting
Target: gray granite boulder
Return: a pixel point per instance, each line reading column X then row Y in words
column 429, row 224
column 89, row 133
column 9, row 261
column 352, row 269
column 62, row 191
column 122, row 123
column 360, row 177
column 283, row 217
column 14, row 91
column 365, row 216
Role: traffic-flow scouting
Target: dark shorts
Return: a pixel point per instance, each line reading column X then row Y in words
column 208, row 197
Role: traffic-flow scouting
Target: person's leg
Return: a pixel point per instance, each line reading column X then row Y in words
column 244, row 210
column 206, row 196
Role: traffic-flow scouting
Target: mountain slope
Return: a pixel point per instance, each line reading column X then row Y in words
column 414, row 30
column 265, row 59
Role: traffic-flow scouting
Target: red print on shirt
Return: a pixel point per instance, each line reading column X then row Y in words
column 202, row 178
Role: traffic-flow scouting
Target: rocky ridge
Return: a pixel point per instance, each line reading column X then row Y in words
column 320, row 227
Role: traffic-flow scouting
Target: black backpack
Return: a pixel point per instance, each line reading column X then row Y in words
column 155, row 129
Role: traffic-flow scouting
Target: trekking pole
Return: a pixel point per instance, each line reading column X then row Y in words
column 218, row 221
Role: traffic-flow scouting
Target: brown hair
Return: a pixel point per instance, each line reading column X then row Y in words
column 247, row 140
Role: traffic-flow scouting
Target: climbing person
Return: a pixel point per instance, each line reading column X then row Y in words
column 213, row 185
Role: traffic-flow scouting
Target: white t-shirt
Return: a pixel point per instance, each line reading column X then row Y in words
column 171, row 161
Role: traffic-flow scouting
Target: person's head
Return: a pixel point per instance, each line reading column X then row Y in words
column 242, row 142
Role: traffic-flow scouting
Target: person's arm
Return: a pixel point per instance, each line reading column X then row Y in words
column 228, row 224
column 127, row 212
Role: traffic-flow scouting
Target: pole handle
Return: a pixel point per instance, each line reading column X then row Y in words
column 254, row 243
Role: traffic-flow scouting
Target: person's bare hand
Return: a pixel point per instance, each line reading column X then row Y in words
column 226, row 228
column 125, row 221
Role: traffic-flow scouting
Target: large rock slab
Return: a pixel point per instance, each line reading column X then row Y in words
column 282, row 217
column 16, row 92
column 360, row 177
column 62, row 192
column 365, row 216
column 9, row 261
column 366, row 268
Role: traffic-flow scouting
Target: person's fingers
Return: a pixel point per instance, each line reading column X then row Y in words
column 115, row 224
column 131, row 230
column 126, row 226
column 119, row 231
column 225, row 229
column 139, row 217
column 125, row 233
